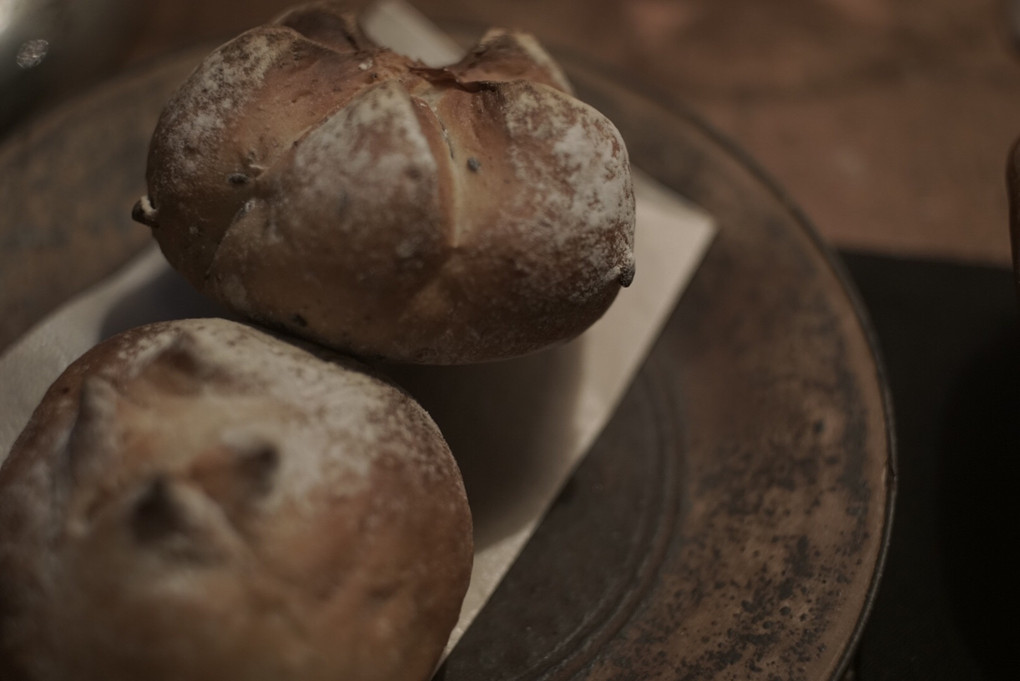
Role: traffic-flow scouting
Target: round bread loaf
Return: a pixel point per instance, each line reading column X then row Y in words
column 199, row 500
column 318, row 183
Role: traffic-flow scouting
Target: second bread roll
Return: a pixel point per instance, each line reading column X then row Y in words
column 199, row 500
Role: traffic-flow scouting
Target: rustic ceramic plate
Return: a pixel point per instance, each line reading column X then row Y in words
column 731, row 520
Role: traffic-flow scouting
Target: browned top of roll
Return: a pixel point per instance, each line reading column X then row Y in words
column 315, row 181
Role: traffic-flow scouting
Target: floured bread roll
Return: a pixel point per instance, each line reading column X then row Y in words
column 316, row 182
column 199, row 500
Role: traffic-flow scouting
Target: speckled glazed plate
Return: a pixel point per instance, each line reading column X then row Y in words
column 730, row 521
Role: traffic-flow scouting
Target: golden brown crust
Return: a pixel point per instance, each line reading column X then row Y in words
column 200, row 500
column 320, row 184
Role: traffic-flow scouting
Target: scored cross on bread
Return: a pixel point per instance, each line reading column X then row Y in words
column 314, row 181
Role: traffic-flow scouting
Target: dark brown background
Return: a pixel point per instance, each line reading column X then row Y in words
column 888, row 121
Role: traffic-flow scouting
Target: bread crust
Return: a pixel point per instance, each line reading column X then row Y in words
column 201, row 500
column 318, row 183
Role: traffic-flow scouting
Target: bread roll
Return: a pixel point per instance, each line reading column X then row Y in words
column 318, row 183
column 199, row 500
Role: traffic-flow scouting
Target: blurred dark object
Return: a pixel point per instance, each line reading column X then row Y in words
column 948, row 601
column 1011, row 12
column 1013, row 192
column 50, row 49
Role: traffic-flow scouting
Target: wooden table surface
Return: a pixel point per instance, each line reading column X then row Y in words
column 888, row 122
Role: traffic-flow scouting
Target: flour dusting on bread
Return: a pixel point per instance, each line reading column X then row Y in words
column 218, row 90
column 200, row 499
column 454, row 215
